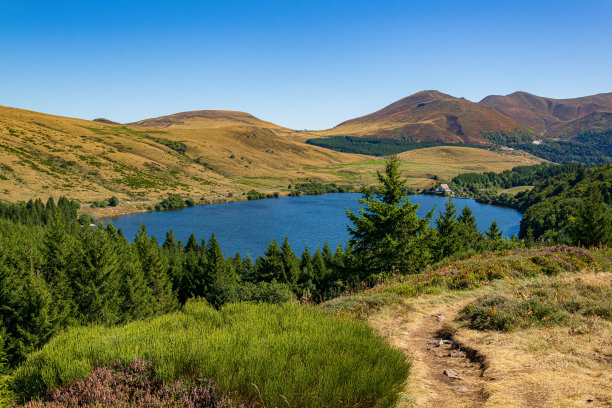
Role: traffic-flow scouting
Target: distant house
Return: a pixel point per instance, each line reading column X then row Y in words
column 445, row 189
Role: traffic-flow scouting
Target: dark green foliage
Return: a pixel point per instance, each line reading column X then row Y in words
column 550, row 208
column 313, row 188
column 592, row 225
column 174, row 145
column 254, row 195
column 189, row 202
column 107, row 121
column 173, row 202
column 113, row 201
column 589, row 148
column 387, row 235
column 484, row 186
column 99, row 204
column 375, row 146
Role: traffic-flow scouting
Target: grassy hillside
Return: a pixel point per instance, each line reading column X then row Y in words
column 46, row 155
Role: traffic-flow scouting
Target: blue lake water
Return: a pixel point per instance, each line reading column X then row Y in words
column 248, row 227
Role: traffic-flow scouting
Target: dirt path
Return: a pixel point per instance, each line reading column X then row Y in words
column 436, row 360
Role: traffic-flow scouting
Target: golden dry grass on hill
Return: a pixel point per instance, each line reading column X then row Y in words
column 44, row 155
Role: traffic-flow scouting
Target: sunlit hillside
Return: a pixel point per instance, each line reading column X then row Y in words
column 46, row 155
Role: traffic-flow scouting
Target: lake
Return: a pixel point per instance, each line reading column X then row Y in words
column 248, row 227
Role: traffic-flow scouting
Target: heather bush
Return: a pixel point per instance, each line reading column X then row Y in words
column 133, row 385
column 279, row 355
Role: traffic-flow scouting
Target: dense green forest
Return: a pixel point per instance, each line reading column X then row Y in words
column 374, row 146
column 590, row 147
column 564, row 200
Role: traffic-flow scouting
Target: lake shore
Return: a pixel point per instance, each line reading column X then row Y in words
column 149, row 206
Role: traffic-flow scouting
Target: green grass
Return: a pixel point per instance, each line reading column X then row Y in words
column 279, row 355
column 540, row 303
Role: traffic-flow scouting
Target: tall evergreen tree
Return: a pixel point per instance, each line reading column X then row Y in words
column 494, row 234
column 220, row 283
column 307, row 275
column 291, row 263
column 60, row 266
column 388, row 233
column 155, row 272
column 447, row 227
column 592, row 225
column 272, row 268
column 96, row 286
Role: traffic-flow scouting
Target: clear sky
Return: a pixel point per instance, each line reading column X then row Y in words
column 307, row 64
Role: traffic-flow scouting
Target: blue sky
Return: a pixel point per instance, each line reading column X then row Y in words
column 308, row 64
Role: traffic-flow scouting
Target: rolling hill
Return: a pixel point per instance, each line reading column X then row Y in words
column 429, row 116
column 45, row 155
column 555, row 117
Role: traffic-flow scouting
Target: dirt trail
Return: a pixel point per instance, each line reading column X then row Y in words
column 434, row 358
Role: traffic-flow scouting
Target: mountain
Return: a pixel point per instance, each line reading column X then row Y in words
column 429, row 116
column 555, row 117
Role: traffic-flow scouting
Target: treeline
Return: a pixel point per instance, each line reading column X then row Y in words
column 374, row 146
column 484, row 186
column 590, row 148
column 564, row 199
column 314, row 188
column 558, row 208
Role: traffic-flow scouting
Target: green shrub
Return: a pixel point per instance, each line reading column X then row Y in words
column 293, row 355
column 113, row 201
column 86, row 219
column 99, row 204
column 173, row 202
column 189, row 202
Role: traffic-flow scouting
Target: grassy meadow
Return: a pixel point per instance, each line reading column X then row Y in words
column 287, row 355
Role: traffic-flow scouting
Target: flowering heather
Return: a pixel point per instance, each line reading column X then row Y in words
column 134, row 385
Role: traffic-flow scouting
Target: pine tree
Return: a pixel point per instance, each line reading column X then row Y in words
column 272, row 268
column 307, row 275
column 155, row 272
column 387, row 233
column 494, row 234
column 447, row 227
column 96, row 286
column 220, row 283
column 60, row 265
column 291, row 263
column 469, row 238
column 593, row 223
column 137, row 301
column 320, row 273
